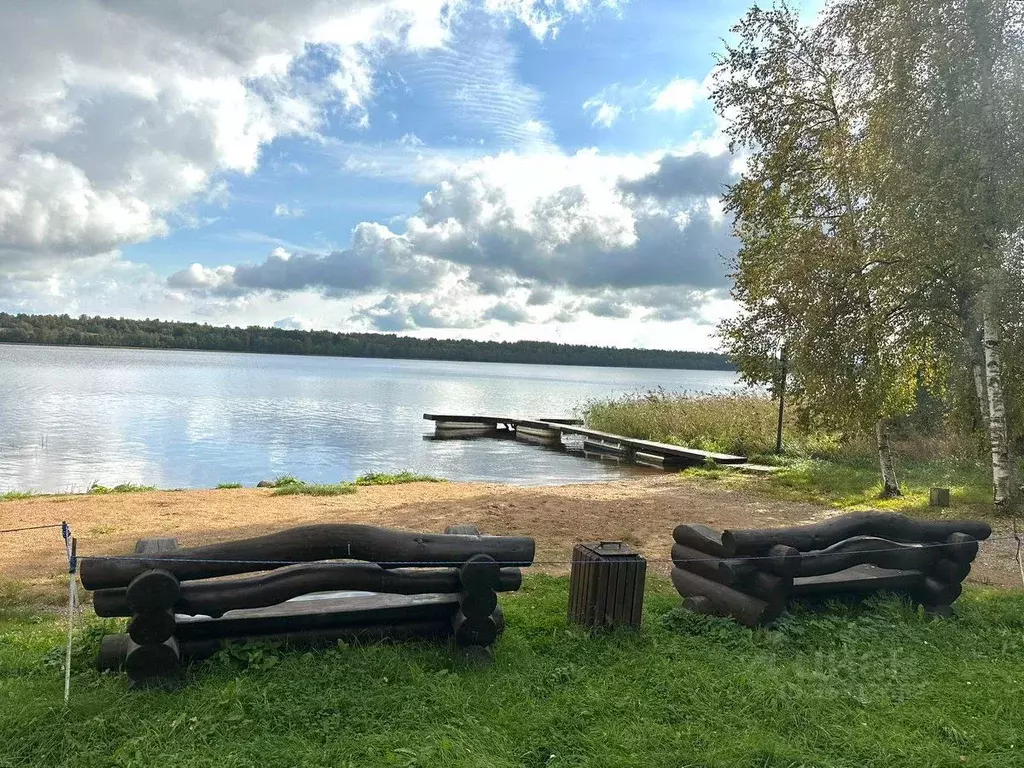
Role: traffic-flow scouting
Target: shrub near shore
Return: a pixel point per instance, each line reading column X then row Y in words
column 816, row 466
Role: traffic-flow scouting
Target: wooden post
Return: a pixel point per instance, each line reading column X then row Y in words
column 782, row 399
column 939, row 497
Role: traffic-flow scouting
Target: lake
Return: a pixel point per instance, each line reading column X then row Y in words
column 72, row 416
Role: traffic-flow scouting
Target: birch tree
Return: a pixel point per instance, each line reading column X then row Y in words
column 812, row 269
column 942, row 86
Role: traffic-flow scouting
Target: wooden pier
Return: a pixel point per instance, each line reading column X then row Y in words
column 549, row 432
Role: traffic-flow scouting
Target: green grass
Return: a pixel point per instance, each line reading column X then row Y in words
column 286, row 480
column 16, row 495
column 855, row 484
column 314, row 489
column 397, row 478
column 871, row 686
column 98, row 489
column 228, row 486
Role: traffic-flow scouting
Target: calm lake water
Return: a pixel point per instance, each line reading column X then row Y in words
column 73, row 416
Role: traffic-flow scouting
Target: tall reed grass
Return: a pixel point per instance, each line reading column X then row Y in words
column 742, row 424
column 746, row 424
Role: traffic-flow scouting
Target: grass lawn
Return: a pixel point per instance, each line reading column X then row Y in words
column 855, row 483
column 875, row 685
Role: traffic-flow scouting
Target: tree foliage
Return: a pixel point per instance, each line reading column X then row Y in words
column 159, row 334
column 884, row 148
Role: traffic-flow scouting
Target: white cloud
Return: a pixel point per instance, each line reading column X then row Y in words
column 529, row 224
column 289, row 211
column 679, row 95
column 116, row 114
column 198, row 279
column 294, row 323
column 604, row 114
column 544, row 18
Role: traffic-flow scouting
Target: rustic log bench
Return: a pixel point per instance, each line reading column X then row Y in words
column 749, row 575
column 186, row 604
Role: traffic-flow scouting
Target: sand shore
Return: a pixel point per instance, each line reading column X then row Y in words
column 641, row 511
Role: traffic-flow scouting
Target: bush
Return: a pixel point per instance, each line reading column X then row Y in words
column 383, row 478
column 304, row 489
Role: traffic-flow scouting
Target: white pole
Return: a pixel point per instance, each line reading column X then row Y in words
column 71, row 619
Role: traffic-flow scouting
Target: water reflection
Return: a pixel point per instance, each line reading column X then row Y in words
column 69, row 417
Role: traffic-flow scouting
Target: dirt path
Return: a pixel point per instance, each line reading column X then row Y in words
column 641, row 511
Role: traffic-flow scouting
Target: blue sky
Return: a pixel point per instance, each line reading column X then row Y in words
column 481, row 169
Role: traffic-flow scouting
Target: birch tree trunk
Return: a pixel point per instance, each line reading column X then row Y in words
column 890, row 485
column 1001, row 469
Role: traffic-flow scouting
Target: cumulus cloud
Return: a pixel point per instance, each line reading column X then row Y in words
column 113, row 115
column 529, row 226
column 292, row 323
column 563, row 221
column 603, row 114
column 681, row 176
column 199, row 279
column 377, row 259
column 394, row 313
column 608, row 308
column 679, row 95
column 506, row 312
column 540, row 296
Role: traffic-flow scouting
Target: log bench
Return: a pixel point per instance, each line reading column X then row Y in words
column 749, row 575
column 309, row 588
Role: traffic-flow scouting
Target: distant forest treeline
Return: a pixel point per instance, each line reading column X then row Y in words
column 157, row 334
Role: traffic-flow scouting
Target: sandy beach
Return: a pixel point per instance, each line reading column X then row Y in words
column 640, row 511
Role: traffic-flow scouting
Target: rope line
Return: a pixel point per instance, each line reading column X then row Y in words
column 451, row 563
column 33, row 528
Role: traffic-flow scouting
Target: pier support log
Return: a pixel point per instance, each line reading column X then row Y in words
column 309, row 543
column 537, row 436
column 750, row 611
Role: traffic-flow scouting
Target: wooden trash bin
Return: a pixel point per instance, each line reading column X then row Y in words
column 606, row 586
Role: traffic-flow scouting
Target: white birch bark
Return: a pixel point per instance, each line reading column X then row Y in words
column 1001, row 470
column 890, row 485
